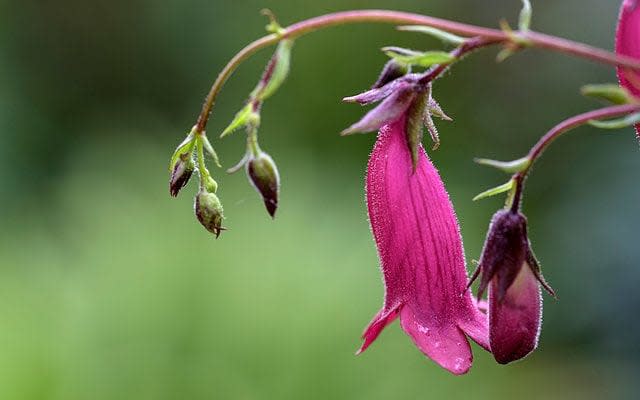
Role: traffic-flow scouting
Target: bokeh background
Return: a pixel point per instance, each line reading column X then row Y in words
column 110, row 289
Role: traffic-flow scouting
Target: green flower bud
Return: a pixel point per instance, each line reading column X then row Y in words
column 263, row 175
column 209, row 211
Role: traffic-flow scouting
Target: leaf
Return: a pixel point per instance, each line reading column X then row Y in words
column 211, row 151
column 504, row 54
column 524, row 21
column 619, row 123
column 436, row 33
column 184, row 147
column 609, row 92
column 510, row 167
column 496, row 190
column 422, row 59
column 276, row 72
column 242, row 118
column 240, row 164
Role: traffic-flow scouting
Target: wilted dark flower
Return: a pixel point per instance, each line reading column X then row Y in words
column 263, row 175
column 181, row 173
column 209, row 211
column 512, row 274
column 392, row 70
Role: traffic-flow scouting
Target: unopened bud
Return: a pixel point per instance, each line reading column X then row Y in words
column 263, row 175
column 209, row 211
column 392, row 70
column 181, row 174
column 506, row 251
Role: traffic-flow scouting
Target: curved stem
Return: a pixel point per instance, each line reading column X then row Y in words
column 396, row 17
column 538, row 149
column 458, row 53
column 574, row 122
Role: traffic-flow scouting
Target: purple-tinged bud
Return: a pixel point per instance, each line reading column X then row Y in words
column 181, row 173
column 512, row 274
column 181, row 165
column 263, row 175
column 209, row 211
column 392, row 70
column 504, row 252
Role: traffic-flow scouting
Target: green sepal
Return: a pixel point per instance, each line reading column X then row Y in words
column 619, row 123
column 414, row 126
column 434, row 32
column 183, row 148
column 243, row 117
column 240, row 164
column 422, row 59
column 524, row 22
column 609, row 92
column 496, row 190
column 510, row 167
column 276, row 73
column 210, row 150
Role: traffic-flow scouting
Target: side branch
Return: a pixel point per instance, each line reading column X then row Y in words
column 555, row 132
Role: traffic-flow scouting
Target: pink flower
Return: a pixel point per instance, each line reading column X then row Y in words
column 421, row 254
column 512, row 273
column 628, row 44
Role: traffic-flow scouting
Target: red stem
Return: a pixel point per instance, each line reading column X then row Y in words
column 563, row 127
column 396, row 17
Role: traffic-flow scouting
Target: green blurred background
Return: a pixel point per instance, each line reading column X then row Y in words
column 110, row 289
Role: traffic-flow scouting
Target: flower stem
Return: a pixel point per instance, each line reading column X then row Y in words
column 202, row 168
column 555, row 132
column 296, row 30
column 458, row 53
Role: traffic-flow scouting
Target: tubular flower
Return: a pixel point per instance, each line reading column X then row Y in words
column 628, row 44
column 421, row 254
column 512, row 274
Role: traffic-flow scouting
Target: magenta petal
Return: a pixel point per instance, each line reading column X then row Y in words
column 443, row 343
column 421, row 254
column 389, row 110
column 377, row 324
column 377, row 94
column 516, row 320
column 628, row 44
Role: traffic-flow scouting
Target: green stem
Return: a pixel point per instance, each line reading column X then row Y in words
column 252, row 142
column 202, row 167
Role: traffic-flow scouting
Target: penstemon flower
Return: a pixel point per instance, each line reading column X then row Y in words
column 419, row 244
column 628, row 44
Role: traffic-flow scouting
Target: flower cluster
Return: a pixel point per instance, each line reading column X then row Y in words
column 412, row 219
column 420, row 247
